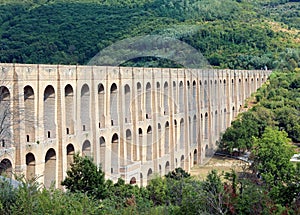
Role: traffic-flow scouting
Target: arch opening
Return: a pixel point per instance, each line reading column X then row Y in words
column 102, row 152
column 127, row 104
column 50, row 168
column 69, row 109
column 29, row 113
column 6, row 168
column 114, row 113
column 30, row 166
column 148, row 101
column 86, row 148
column 49, row 112
column 70, row 155
column 101, row 105
column 115, row 153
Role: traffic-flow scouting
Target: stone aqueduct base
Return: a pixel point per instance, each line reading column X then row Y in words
column 134, row 121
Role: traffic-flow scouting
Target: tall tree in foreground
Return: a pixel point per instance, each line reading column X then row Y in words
column 272, row 154
column 85, row 177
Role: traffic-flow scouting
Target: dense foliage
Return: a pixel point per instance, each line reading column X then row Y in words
column 176, row 193
column 278, row 105
column 230, row 34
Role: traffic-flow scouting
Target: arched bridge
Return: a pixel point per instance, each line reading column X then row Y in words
column 134, row 121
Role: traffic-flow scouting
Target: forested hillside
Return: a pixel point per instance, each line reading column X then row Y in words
column 230, row 34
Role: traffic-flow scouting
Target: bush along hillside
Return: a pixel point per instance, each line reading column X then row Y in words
column 231, row 34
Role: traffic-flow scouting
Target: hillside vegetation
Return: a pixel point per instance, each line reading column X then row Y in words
column 231, row 34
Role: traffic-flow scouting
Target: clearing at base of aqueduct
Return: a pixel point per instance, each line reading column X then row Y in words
column 134, row 121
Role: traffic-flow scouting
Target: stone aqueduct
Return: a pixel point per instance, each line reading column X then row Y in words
column 134, row 121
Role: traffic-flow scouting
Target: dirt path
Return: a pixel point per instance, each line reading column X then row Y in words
column 220, row 164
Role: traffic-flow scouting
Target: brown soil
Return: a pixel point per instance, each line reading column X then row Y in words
column 220, row 164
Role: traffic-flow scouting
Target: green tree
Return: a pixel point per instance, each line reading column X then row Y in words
column 178, row 174
column 157, row 188
column 272, row 154
column 85, row 177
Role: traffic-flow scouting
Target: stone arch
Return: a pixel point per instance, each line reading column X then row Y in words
column 201, row 94
column 139, row 100
column 215, row 93
column 29, row 113
column 195, row 157
column 181, row 139
column 182, row 161
column 86, row 148
column 225, row 119
column 132, row 180
column 175, row 134
column 167, row 167
column 6, row 168
column 181, row 97
column 127, row 103
column 166, row 98
column 130, row 151
column 224, row 91
column 246, row 87
column 216, row 124
column 194, row 96
column 232, row 90
column 159, row 136
column 30, row 166
column 174, row 96
column 69, row 109
column 158, row 93
column 189, row 95
column 206, row 124
column 149, row 144
column 201, row 127
column 233, row 112
column 50, row 168
column 140, row 138
column 205, row 94
column 240, row 89
column 85, row 107
column 102, row 143
column 194, row 139
column 190, row 131
column 4, row 94
column 114, row 153
column 49, row 112
column 101, row 105
column 148, row 101
column 149, row 174
column 70, row 155
column 167, row 135
column 114, row 113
